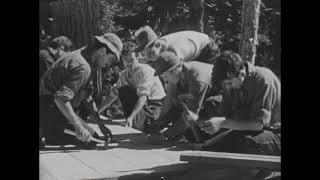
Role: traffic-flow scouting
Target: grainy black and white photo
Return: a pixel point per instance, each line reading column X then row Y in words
column 159, row 89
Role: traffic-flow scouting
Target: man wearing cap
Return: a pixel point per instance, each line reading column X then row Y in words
column 251, row 108
column 66, row 84
column 187, row 45
column 56, row 48
column 193, row 82
column 140, row 92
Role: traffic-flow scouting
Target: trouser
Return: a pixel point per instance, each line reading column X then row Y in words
column 264, row 142
column 208, row 53
column 52, row 123
column 150, row 112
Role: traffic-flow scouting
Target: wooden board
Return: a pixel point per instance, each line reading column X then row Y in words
column 233, row 159
column 131, row 156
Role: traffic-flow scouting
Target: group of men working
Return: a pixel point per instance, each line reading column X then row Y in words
column 170, row 89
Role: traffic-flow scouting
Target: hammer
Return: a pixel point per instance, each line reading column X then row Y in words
column 191, row 124
column 67, row 131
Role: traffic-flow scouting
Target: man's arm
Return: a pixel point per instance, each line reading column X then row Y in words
column 241, row 125
column 138, row 106
column 74, row 80
column 67, row 110
column 260, row 109
column 197, row 92
column 259, row 113
column 144, row 79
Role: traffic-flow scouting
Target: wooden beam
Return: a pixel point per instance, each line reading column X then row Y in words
column 233, row 160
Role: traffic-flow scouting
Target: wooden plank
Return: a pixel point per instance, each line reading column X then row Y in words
column 120, row 162
column 63, row 166
column 131, row 157
column 233, row 159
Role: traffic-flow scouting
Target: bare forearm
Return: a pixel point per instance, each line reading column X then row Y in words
column 67, row 110
column 241, row 125
column 138, row 106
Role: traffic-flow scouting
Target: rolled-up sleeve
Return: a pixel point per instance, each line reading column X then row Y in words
column 144, row 79
column 76, row 79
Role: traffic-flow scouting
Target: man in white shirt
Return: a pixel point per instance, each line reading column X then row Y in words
column 187, row 45
column 140, row 92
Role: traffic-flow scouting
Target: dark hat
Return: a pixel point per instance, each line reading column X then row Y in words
column 112, row 41
column 165, row 62
column 62, row 41
column 144, row 36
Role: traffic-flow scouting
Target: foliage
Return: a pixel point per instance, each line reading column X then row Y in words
column 223, row 24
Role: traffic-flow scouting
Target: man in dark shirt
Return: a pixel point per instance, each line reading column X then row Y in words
column 251, row 108
column 192, row 81
column 56, row 48
column 66, row 84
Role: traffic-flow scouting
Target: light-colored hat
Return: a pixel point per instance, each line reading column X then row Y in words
column 112, row 41
column 144, row 37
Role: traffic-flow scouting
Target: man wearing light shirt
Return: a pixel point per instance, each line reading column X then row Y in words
column 140, row 92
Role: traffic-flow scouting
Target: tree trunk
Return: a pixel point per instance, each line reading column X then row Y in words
column 249, row 30
column 76, row 19
column 197, row 14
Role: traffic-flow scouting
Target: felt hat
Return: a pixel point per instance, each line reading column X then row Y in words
column 112, row 41
column 144, row 37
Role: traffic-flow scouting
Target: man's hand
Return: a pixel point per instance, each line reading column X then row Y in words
column 212, row 125
column 189, row 115
column 129, row 122
column 82, row 133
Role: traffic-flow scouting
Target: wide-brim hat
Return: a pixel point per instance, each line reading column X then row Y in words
column 144, row 37
column 165, row 62
column 113, row 42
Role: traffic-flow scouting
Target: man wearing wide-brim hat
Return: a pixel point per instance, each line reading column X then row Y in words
column 67, row 83
column 187, row 45
column 193, row 82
